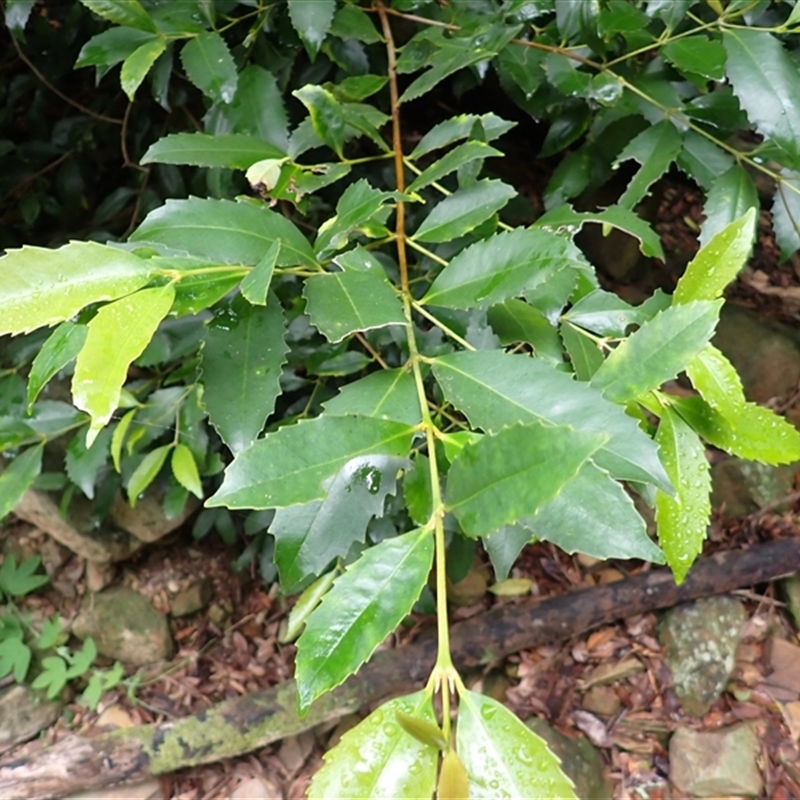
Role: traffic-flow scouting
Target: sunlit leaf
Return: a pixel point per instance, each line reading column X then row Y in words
column 61, row 347
column 233, row 150
column 136, row 66
column 122, row 12
column 118, row 334
column 683, row 518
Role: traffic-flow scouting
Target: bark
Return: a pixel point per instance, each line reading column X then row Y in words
column 247, row 723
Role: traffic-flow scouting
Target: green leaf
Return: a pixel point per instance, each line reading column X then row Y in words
column 312, row 19
column 117, row 335
column 50, row 633
column 564, row 75
column 342, row 302
column 17, row 13
column 289, row 466
column 210, row 66
column 146, row 472
column 655, row 148
column 565, row 219
column 198, row 289
column 507, row 476
column 683, row 519
column 502, row 266
column 455, row 54
column 118, row 437
column 53, row 677
column 457, row 157
column 225, row 231
column 594, row 515
column 233, row 150
column 364, row 606
column 765, row 79
column 308, row 537
column 517, row 321
column 15, row 657
column 461, row 127
column 255, row 286
column 18, row 476
column 718, row 262
column 786, row 214
column 350, row 22
column 19, row 580
column 356, row 207
column 327, row 115
column 82, row 463
column 504, row 546
column 583, row 352
column 730, row 198
column 703, row 160
column 377, row 758
column 306, row 603
column 388, row 394
column 502, row 756
column 697, row 55
column 242, row 359
column 464, row 210
column 184, row 468
column 607, row 314
column 658, row 351
column 754, row 432
column 717, row 381
column 42, row 287
column 82, row 660
column 495, row 390
column 136, row 66
column 122, row 12
column 61, row 347
column 112, row 46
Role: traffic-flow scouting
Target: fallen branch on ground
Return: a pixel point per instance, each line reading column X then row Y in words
column 247, row 723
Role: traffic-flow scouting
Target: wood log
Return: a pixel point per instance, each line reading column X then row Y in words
column 244, row 724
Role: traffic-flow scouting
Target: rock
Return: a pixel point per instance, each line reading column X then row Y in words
column 115, row 717
column 256, row 789
column 124, row 626
column 716, row 763
column 741, row 487
column 295, row 750
column 700, row 640
column 469, row 590
column 580, row 761
column 765, row 353
column 191, row 599
column 23, row 714
column 147, row 520
column 602, row 700
column 99, row 575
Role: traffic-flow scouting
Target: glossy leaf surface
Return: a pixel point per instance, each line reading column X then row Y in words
column 503, row 266
column 731, row 196
column 241, row 365
column 464, row 210
column 495, row 390
column 309, row 536
column 364, row 606
column 682, row 519
column 457, row 157
column 377, row 758
column 311, row 20
column 594, row 515
column 117, row 335
column 233, row 150
column 658, row 351
column 504, row 758
column 289, row 466
column 460, row 127
column 507, row 476
column 138, row 64
column 718, row 262
column 122, row 12
column 786, row 214
column 255, row 285
column 607, row 314
column 222, row 230
column 765, row 79
column 41, row 287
